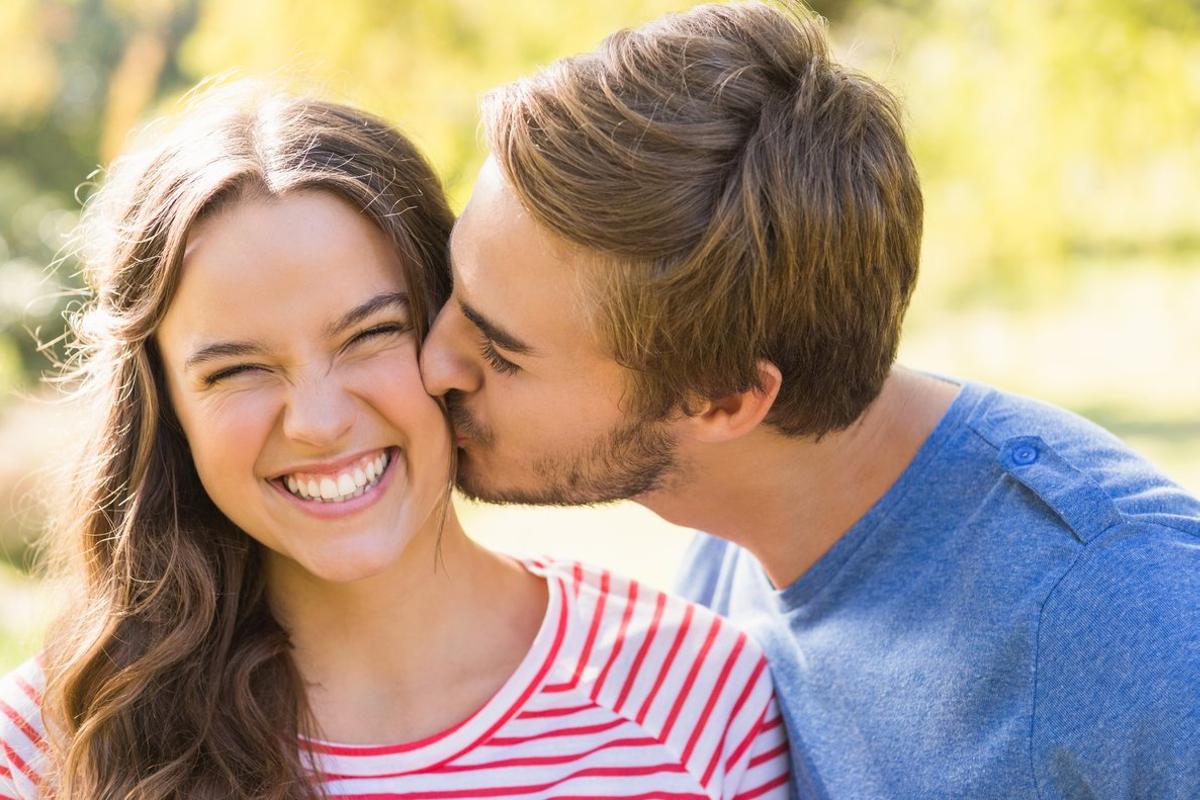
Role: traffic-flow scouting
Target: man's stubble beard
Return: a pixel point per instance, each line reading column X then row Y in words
column 630, row 461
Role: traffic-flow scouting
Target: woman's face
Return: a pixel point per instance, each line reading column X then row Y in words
column 291, row 363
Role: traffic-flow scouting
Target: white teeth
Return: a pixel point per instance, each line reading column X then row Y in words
column 343, row 486
column 329, row 489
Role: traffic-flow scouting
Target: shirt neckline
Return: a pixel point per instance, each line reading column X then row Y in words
column 801, row 591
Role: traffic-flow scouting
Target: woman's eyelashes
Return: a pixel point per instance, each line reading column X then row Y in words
column 382, row 330
column 374, row 333
column 238, row 369
column 496, row 361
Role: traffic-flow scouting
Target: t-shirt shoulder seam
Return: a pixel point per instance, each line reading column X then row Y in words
column 982, row 436
column 1037, row 658
column 1088, row 549
column 977, row 416
column 1148, row 519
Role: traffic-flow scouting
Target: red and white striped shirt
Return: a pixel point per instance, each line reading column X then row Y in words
column 626, row 692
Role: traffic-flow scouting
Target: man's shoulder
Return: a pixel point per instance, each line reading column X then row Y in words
column 1117, row 666
column 1142, row 576
column 1081, row 481
column 706, row 572
column 1087, row 476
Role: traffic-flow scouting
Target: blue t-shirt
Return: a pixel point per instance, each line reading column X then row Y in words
column 1017, row 617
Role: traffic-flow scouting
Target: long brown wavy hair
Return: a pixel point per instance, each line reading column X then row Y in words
column 168, row 675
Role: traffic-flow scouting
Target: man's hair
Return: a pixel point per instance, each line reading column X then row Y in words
column 749, row 198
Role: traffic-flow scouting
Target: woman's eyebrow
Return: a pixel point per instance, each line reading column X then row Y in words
column 362, row 311
column 218, row 350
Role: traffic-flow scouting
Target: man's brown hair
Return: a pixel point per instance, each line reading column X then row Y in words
column 748, row 197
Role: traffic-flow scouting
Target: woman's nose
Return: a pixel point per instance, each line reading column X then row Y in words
column 319, row 414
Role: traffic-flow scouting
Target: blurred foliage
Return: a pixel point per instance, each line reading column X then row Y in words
column 1047, row 133
column 77, row 75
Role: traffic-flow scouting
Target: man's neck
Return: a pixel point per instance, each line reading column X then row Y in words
column 789, row 500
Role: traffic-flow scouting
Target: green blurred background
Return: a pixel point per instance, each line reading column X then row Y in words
column 1058, row 143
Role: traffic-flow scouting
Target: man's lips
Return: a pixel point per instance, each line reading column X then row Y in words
column 466, row 429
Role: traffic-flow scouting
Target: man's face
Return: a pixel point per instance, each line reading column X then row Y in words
column 536, row 397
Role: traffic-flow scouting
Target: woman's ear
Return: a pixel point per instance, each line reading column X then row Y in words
column 727, row 418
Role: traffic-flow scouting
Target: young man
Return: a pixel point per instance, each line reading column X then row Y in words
column 681, row 279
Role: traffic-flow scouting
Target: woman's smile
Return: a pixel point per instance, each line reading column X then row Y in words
column 340, row 488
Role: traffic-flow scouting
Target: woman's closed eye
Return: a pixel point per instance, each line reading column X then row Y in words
column 228, row 372
column 375, row 332
column 380, row 331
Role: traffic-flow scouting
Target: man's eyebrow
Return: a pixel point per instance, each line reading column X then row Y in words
column 494, row 332
column 218, row 350
column 359, row 313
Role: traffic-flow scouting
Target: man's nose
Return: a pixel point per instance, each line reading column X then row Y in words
column 447, row 362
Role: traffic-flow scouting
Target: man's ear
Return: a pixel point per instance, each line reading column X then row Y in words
column 727, row 418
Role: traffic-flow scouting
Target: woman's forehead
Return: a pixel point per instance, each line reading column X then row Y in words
column 299, row 261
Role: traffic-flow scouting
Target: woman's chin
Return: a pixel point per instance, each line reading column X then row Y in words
column 347, row 573
column 356, row 566
column 344, row 564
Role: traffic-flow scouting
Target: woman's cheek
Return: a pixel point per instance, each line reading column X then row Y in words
column 231, row 430
column 389, row 375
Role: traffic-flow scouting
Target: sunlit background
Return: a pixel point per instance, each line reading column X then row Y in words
column 1058, row 143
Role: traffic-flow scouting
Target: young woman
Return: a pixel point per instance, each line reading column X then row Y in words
column 274, row 597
